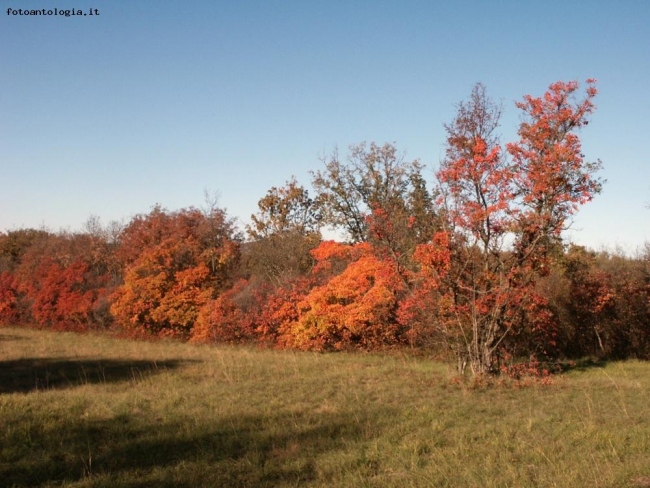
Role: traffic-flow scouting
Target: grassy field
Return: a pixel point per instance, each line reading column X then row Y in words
column 86, row 410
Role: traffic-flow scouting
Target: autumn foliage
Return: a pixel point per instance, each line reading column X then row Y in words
column 490, row 200
column 9, row 312
column 58, row 281
column 355, row 308
column 174, row 264
column 472, row 268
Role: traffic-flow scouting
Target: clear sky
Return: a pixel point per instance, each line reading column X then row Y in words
column 154, row 101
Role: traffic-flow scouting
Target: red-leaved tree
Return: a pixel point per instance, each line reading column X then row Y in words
column 504, row 217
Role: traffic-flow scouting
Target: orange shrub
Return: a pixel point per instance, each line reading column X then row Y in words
column 224, row 320
column 354, row 309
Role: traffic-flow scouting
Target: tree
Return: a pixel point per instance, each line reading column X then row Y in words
column 9, row 299
column 219, row 238
column 283, row 232
column 103, row 243
column 15, row 279
column 590, row 302
column 285, row 209
column 66, row 296
column 605, row 306
column 478, row 280
column 174, row 263
column 377, row 197
column 162, row 291
column 14, row 244
column 483, row 288
column 551, row 177
column 60, row 280
column 374, row 177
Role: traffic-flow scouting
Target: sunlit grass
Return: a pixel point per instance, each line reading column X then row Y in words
column 85, row 410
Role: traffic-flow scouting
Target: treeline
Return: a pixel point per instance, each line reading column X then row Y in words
column 473, row 268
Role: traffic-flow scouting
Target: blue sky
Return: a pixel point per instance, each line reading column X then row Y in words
column 155, row 101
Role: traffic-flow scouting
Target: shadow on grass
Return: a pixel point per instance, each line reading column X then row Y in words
column 270, row 450
column 26, row 375
column 10, row 338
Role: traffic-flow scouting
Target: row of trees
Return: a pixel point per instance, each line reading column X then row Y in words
column 473, row 268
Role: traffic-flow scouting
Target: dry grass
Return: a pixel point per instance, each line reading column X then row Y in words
column 85, row 410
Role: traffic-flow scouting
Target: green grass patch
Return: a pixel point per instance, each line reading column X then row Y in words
column 87, row 410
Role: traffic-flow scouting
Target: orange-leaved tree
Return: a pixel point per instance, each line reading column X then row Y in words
column 174, row 263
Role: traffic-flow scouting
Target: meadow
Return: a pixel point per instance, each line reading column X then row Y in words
column 91, row 410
